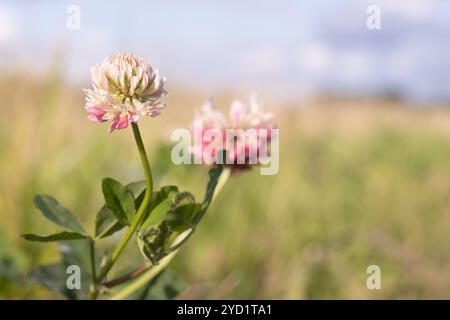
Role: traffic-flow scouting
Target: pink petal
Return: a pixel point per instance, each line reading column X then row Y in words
column 96, row 114
column 91, row 117
column 113, row 125
column 119, row 123
column 123, row 123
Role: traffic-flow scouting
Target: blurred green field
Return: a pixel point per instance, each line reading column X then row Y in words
column 360, row 183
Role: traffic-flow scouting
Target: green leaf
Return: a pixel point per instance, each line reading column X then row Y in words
column 182, row 198
column 164, row 193
column 119, row 199
column 106, row 223
column 137, row 187
column 182, row 218
column 157, row 215
column 152, row 242
column 214, row 175
column 55, row 237
column 157, row 198
column 56, row 213
column 165, row 286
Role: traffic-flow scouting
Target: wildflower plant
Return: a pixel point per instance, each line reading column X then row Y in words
column 125, row 90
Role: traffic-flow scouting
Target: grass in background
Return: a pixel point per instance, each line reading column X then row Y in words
column 359, row 184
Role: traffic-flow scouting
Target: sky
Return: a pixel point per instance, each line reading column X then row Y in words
column 288, row 48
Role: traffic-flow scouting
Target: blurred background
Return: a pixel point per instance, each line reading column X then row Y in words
column 364, row 130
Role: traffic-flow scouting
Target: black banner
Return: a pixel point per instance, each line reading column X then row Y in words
column 224, row 309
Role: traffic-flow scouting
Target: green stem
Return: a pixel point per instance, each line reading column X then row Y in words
column 142, row 209
column 93, row 289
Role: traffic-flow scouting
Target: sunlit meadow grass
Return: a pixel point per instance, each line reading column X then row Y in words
column 359, row 184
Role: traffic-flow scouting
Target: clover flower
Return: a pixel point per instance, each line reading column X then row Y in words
column 250, row 115
column 125, row 88
column 244, row 136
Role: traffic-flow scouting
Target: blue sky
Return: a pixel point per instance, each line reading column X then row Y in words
column 287, row 48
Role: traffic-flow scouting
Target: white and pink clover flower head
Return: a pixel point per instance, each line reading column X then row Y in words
column 244, row 136
column 125, row 88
